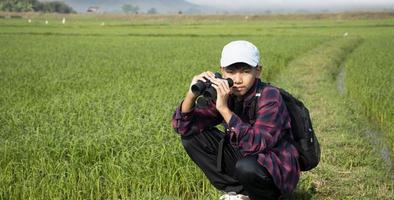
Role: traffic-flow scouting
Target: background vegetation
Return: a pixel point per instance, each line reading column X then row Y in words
column 34, row 5
column 369, row 73
column 86, row 106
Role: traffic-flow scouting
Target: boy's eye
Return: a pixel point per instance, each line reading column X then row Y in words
column 247, row 71
column 230, row 71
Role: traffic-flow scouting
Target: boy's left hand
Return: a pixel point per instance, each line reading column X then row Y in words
column 223, row 92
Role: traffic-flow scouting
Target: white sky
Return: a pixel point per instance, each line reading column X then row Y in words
column 292, row 3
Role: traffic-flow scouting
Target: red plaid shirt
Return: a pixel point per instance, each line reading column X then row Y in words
column 267, row 137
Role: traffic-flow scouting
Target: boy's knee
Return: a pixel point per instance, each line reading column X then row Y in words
column 245, row 169
column 248, row 170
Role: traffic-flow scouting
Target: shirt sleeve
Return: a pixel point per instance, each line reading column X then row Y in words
column 267, row 130
column 196, row 120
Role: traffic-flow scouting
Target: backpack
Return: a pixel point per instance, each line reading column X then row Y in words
column 304, row 136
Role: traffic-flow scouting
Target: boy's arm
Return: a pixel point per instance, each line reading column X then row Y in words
column 188, row 119
column 188, row 103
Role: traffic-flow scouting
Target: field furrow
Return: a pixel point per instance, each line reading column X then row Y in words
column 349, row 168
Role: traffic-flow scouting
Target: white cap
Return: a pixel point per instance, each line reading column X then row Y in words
column 240, row 51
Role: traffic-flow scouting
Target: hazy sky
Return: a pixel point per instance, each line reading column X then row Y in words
column 293, row 3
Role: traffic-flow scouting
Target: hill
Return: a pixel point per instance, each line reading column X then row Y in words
column 161, row 6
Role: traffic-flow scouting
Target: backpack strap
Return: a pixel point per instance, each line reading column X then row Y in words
column 253, row 111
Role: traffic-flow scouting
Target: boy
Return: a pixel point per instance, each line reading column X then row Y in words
column 254, row 159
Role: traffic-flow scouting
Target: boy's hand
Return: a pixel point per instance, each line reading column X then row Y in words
column 190, row 98
column 201, row 77
column 223, row 92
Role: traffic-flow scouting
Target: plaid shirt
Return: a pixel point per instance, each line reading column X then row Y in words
column 267, row 137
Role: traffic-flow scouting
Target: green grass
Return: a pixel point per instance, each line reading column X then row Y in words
column 350, row 167
column 370, row 81
column 85, row 109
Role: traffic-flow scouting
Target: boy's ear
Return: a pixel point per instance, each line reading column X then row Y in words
column 259, row 69
column 221, row 70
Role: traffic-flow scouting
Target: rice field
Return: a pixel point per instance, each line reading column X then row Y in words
column 370, row 81
column 86, row 106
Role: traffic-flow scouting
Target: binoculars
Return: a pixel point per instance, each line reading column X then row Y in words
column 205, row 91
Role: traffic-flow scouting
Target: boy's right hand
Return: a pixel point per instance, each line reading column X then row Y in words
column 190, row 98
column 201, row 77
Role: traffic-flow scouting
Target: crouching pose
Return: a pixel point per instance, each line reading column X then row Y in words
column 254, row 158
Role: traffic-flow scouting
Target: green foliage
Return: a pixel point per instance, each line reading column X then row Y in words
column 34, row 5
column 369, row 82
column 128, row 8
column 17, row 5
column 54, row 6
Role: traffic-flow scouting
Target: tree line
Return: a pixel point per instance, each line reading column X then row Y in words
column 129, row 8
column 35, row 6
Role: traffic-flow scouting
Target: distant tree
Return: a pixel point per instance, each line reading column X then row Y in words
column 23, row 7
column 61, row 7
column 16, row 5
column 152, row 11
column 128, row 8
column 55, row 6
column 34, row 5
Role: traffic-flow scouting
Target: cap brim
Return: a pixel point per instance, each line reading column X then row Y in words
column 228, row 63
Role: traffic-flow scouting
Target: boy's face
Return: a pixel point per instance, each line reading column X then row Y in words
column 243, row 76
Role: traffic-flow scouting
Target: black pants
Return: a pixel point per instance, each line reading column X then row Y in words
column 239, row 174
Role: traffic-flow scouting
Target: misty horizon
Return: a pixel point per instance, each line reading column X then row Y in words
column 291, row 4
column 236, row 6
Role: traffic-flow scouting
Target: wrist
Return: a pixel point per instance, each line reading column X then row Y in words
column 226, row 113
column 191, row 95
column 223, row 109
column 188, row 102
